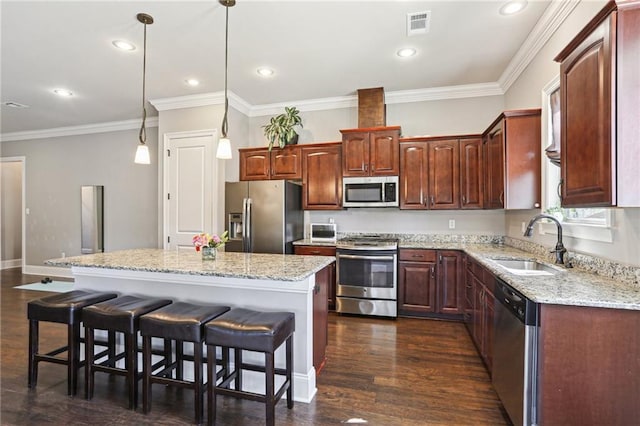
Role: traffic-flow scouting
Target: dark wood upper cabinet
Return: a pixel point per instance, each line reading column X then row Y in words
column 322, row 177
column 255, row 164
column 599, row 109
column 279, row 163
column 370, row 152
column 436, row 173
column 414, row 166
column 444, row 174
column 512, row 152
column 471, row 174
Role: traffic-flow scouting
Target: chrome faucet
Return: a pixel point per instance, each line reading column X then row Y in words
column 560, row 250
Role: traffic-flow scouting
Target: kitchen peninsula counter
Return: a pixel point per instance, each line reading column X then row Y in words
column 269, row 282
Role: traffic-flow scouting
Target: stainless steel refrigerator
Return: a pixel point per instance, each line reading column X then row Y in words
column 263, row 216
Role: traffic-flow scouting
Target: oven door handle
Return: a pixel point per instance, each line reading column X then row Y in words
column 351, row 256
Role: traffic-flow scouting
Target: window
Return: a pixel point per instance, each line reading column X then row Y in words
column 584, row 223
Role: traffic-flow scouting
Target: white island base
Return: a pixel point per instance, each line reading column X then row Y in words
column 258, row 294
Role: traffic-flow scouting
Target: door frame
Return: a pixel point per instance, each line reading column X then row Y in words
column 218, row 173
column 23, row 160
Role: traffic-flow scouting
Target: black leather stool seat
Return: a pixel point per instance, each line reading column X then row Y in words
column 65, row 308
column 182, row 322
column 117, row 315
column 121, row 314
column 245, row 329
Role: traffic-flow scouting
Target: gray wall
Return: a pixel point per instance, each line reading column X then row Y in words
column 11, row 210
column 56, row 168
column 526, row 92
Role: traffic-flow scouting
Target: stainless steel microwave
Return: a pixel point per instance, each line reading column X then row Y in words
column 380, row 191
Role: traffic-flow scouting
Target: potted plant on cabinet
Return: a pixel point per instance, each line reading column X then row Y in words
column 282, row 128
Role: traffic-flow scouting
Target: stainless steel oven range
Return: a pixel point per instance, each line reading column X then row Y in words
column 367, row 278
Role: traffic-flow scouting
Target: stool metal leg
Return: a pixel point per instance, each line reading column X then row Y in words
column 289, row 356
column 33, row 350
column 269, row 388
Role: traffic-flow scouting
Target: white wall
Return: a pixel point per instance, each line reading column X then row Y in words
column 11, row 210
column 55, row 170
column 525, row 93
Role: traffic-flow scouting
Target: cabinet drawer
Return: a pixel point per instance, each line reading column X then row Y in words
column 315, row 250
column 418, row 255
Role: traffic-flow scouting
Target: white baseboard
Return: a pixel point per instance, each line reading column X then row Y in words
column 48, row 271
column 13, row 263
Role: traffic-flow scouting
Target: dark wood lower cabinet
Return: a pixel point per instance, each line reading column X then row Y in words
column 320, row 317
column 430, row 283
column 323, row 251
column 479, row 304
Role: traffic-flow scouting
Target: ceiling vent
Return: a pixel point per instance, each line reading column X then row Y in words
column 418, row 23
column 14, row 104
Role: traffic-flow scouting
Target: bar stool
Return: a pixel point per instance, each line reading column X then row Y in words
column 64, row 308
column 244, row 329
column 118, row 315
column 182, row 322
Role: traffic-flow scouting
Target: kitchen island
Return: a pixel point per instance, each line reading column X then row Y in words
column 269, row 282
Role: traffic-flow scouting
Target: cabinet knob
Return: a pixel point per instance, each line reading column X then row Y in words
column 536, row 205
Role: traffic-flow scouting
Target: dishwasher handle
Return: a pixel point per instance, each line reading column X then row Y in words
column 515, row 302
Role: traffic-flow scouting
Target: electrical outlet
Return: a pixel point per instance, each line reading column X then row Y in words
column 27, row 211
column 523, row 227
column 331, row 220
column 64, row 254
column 452, row 224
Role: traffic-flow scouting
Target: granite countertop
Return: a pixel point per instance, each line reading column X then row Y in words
column 308, row 242
column 569, row 287
column 276, row 267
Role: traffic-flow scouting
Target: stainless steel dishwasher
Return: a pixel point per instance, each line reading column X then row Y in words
column 515, row 354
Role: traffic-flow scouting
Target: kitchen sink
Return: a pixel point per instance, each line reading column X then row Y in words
column 526, row 267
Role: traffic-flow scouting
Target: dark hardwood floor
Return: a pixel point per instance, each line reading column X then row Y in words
column 402, row 372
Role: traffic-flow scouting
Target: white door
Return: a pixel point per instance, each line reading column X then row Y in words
column 189, row 187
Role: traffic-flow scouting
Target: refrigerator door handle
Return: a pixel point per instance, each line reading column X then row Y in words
column 247, row 247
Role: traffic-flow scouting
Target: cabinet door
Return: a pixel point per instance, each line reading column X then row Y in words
column 286, row 163
column 494, row 167
column 322, row 178
column 323, row 251
column 478, row 313
column 444, row 175
column 469, row 301
column 355, row 154
column 488, row 329
column 383, row 153
column 471, row 174
column 416, row 288
column 414, row 166
column 586, row 84
column 450, row 287
column 255, row 164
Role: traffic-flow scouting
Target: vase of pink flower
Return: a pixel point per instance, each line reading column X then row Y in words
column 208, row 244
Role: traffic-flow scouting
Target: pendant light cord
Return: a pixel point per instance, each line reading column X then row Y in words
column 226, row 60
column 143, row 129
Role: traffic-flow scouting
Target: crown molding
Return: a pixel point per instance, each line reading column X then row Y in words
column 549, row 22
column 318, row 104
column 445, row 92
column 200, row 100
column 85, row 129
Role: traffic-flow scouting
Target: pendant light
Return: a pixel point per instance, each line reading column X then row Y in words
column 224, row 144
column 142, row 153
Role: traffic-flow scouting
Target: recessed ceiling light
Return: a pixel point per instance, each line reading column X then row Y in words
column 63, row 92
column 192, row 82
column 406, row 52
column 513, row 7
column 265, row 72
column 124, row 45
